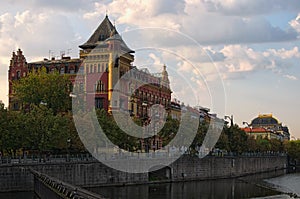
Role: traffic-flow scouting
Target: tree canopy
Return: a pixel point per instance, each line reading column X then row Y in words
column 40, row 87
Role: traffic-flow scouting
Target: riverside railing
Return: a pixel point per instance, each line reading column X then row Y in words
column 52, row 158
column 47, row 187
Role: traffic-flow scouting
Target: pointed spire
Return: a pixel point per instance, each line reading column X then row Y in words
column 104, row 31
column 165, row 77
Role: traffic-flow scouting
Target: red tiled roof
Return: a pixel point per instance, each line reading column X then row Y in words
column 255, row 130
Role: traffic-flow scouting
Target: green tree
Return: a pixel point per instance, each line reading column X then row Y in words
column 42, row 129
column 3, row 126
column 51, row 89
column 293, row 148
column 168, row 132
column 263, row 144
column 237, row 139
column 14, row 138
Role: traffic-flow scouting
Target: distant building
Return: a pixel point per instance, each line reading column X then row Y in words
column 265, row 125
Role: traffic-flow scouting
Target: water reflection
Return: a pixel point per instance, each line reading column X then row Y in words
column 289, row 183
column 18, row 195
column 245, row 187
column 219, row 189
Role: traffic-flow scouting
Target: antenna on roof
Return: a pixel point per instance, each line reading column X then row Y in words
column 50, row 53
column 69, row 51
column 62, row 53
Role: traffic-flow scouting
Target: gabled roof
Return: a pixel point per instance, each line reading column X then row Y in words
column 105, row 30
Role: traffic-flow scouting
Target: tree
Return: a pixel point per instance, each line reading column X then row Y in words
column 50, row 89
column 237, row 139
column 3, row 126
column 293, row 148
column 168, row 132
column 42, row 129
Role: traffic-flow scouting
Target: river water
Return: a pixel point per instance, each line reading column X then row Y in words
column 248, row 187
column 289, row 183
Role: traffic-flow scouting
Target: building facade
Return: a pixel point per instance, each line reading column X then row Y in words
column 265, row 125
column 105, row 75
column 104, row 72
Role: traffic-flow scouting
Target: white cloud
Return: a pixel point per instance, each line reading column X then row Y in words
column 295, row 23
column 250, row 7
column 284, row 54
column 291, row 77
column 242, row 59
column 196, row 20
column 35, row 33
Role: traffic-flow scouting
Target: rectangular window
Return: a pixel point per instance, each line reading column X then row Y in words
column 81, row 87
column 99, row 87
column 16, row 106
column 18, row 74
column 62, row 71
column 99, row 103
column 102, row 67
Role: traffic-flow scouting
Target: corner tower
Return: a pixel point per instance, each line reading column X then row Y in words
column 17, row 69
column 106, row 47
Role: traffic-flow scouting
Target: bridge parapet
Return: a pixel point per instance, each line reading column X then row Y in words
column 47, row 187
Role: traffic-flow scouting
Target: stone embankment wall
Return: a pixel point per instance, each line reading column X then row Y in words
column 188, row 168
column 17, row 177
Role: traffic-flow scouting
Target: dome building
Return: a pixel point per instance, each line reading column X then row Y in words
column 265, row 125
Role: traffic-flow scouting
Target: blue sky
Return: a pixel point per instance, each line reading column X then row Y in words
column 253, row 47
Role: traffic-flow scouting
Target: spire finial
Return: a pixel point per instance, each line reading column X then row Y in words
column 106, row 13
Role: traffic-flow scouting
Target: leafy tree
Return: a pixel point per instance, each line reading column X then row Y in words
column 51, row 89
column 237, row 139
column 263, row 144
column 42, row 129
column 168, row 132
column 72, row 135
column 3, row 126
column 252, row 144
column 293, row 148
column 14, row 138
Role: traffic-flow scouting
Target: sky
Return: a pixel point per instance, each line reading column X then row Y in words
column 237, row 57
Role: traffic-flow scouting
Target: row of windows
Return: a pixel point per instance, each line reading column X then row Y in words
column 96, row 68
column 99, row 86
column 98, row 57
column 150, row 97
column 148, row 78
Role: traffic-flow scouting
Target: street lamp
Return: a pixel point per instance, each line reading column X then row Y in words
column 68, row 149
column 230, row 118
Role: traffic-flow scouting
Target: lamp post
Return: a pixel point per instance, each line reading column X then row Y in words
column 230, row 118
column 68, row 149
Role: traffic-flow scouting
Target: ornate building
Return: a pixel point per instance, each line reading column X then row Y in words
column 104, row 73
column 265, row 125
column 105, row 62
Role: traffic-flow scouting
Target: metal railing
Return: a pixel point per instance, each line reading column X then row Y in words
column 34, row 159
